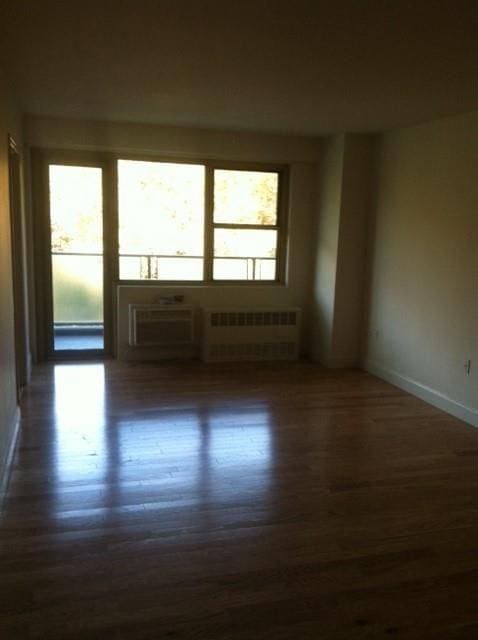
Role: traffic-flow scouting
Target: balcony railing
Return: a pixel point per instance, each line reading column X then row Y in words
column 148, row 266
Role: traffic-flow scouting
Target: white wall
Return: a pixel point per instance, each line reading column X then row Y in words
column 329, row 199
column 422, row 320
column 63, row 133
column 343, row 210
column 351, row 258
column 300, row 153
column 9, row 123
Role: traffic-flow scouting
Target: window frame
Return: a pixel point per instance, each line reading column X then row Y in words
column 108, row 160
column 210, row 166
column 115, row 186
column 278, row 226
column 40, row 161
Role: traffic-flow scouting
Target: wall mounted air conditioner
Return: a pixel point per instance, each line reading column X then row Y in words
column 255, row 334
column 160, row 325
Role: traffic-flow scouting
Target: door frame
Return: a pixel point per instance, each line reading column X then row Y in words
column 17, row 238
column 41, row 159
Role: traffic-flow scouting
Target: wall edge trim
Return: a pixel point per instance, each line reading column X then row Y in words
column 5, row 470
column 424, row 392
column 29, row 366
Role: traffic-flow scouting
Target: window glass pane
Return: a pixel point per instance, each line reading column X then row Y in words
column 131, row 268
column 76, row 219
column 77, row 288
column 152, row 268
column 245, row 197
column 232, row 269
column 76, row 209
column 265, row 270
column 161, row 209
column 244, row 269
column 245, row 243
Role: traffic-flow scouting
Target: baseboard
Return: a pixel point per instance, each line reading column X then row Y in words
column 6, row 467
column 432, row 396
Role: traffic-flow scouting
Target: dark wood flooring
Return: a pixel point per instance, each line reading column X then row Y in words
column 252, row 501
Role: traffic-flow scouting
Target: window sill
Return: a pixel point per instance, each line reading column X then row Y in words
column 182, row 284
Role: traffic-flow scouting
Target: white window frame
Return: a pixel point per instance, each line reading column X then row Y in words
column 209, row 225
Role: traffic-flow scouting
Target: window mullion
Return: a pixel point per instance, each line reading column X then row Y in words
column 208, row 224
column 111, row 218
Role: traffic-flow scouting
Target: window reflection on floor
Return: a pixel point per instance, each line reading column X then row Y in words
column 196, row 457
column 80, row 420
column 240, row 437
column 155, row 458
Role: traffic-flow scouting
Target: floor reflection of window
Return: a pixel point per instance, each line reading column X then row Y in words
column 240, row 454
column 186, row 459
column 240, row 438
column 160, row 449
column 81, row 451
column 179, row 464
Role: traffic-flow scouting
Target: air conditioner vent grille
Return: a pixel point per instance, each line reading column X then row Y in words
column 157, row 325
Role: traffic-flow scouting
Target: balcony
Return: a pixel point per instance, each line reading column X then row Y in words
column 78, row 336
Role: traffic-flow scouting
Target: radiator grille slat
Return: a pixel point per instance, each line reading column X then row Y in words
column 253, row 318
column 254, row 351
column 255, row 334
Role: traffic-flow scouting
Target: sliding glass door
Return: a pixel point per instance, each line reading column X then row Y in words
column 76, row 258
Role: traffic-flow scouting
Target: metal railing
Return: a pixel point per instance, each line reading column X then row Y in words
column 149, row 267
column 149, row 263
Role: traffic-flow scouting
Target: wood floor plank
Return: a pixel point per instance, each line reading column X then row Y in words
column 234, row 502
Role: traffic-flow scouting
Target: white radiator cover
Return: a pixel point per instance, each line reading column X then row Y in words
column 160, row 325
column 251, row 334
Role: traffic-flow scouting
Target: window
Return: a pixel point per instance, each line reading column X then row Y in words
column 245, row 225
column 198, row 222
column 161, row 220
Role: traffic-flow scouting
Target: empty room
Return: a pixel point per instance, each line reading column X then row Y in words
column 238, row 319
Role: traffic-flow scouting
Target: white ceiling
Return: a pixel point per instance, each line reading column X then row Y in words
column 300, row 66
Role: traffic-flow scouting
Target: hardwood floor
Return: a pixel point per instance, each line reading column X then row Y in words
column 278, row 501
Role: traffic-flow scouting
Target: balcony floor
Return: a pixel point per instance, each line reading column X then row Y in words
column 76, row 338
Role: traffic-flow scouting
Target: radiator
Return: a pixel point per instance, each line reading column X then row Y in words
column 160, row 325
column 258, row 334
